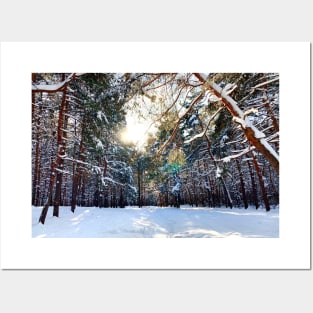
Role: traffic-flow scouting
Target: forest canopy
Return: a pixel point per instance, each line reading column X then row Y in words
column 163, row 139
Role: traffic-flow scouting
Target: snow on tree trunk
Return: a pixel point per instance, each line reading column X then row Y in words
column 61, row 142
column 58, row 160
column 53, row 88
column 36, row 177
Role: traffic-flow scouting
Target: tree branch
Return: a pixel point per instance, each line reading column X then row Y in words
column 53, row 87
column 254, row 136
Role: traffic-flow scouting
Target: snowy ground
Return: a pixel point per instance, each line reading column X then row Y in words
column 154, row 222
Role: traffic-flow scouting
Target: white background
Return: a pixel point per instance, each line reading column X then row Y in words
column 156, row 291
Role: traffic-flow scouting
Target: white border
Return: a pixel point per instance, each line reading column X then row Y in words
column 20, row 251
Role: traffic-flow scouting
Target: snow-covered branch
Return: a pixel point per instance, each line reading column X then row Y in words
column 205, row 130
column 235, row 156
column 53, row 87
column 255, row 137
column 265, row 83
column 169, row 140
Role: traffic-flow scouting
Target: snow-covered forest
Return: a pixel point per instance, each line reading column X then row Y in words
column 155, row 140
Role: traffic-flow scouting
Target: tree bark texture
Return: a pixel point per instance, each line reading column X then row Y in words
column 58, row 160
column 261, row 182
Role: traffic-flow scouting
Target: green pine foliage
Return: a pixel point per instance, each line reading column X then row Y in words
column 195, row 142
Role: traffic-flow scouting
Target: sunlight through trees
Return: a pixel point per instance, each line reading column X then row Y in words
column 166, row 139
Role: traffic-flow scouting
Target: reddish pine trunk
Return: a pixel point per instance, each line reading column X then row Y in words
column 37, row 195
column 77, row 172
column 62, row 123
column 261, row 182
column 254, row 190
column 45, row 209
column 74, row 190
column 58, row 187
column 242, row 185
column 57, row 162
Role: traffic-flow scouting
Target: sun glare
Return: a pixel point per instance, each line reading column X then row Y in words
column 136, row 132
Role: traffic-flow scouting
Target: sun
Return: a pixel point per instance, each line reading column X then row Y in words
column 135, row 132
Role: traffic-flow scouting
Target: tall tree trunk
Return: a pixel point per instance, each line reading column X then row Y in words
column 270, row 112
column 58, row 187
column 273, row 187
column 105, row 199
column 242, row 185
column 62, row 124
column 121, row 198
column 45, row 209
column 261, row 182
column 253, row 185
column 38, row 187
column 195, row 193
column 33, row 96
column 201, row 192
column 229, row 201
column 189, row 196
column 82, row 189
column 64, row 200
column 57, row 162
column 208, row 185
column 36, row 178
column 213, row 192
column 77, row 172
column 272, row 117
column 74, row 187
column 139, row 184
